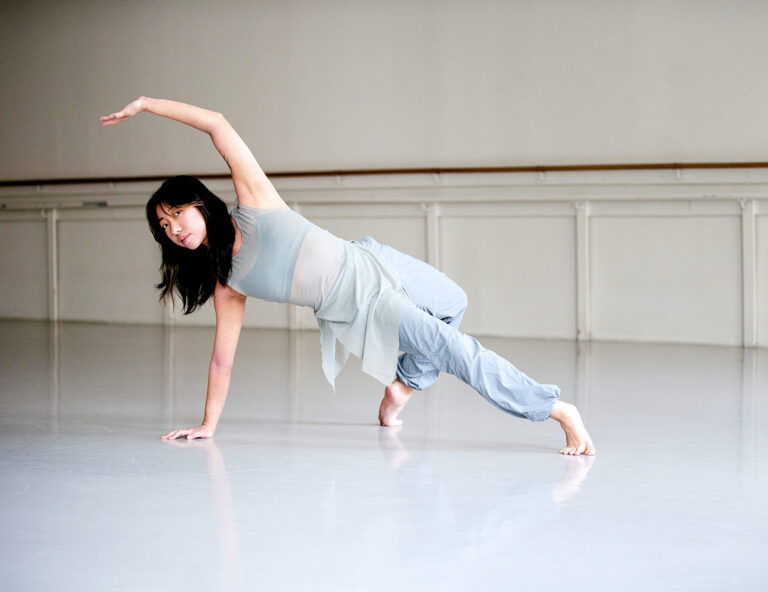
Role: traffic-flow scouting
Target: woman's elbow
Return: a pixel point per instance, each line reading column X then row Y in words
column 218, row 122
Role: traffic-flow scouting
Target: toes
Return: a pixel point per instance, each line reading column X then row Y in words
column 578, row 450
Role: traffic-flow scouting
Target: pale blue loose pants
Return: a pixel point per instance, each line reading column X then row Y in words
column 432, row 343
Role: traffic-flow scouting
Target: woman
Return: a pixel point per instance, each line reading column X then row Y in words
column 369, row 299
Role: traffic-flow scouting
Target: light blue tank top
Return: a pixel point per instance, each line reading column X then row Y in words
column 357, row 299
column 284, row 257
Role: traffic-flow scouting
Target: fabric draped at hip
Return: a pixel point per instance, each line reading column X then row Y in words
column 360, row 316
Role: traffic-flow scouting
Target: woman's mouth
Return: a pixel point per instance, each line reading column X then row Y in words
column 183, row 239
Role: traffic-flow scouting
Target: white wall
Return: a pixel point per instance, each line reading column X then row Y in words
column 761, row 273
column 645, row 255
column 23, row 265
column 387, row 83
column 650, row 256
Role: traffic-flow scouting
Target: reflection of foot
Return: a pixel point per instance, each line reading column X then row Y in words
column 396, row 395
column 575, row 473
column 393, row 449
column 577, row 440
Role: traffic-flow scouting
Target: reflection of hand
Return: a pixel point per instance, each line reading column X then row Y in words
column 201, row 443
column 231, row 560
column 126, row 112
column 202, row 431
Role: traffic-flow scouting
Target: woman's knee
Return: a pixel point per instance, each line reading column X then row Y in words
column 461, row 299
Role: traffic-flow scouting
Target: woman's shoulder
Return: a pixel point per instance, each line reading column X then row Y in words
column 270, row 201
column 254, row 208
column 242, row 209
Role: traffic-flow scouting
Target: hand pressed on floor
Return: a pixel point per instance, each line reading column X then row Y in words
column 202, row 431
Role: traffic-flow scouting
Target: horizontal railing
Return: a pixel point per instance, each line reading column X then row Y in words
column 412, row 171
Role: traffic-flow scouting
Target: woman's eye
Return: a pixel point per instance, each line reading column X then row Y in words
column 177, row 212
column 163, row 226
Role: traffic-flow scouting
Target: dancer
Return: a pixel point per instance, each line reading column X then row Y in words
column 369, row 299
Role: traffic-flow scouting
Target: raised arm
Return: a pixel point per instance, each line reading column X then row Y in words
column 252, row 186
column 230, row 308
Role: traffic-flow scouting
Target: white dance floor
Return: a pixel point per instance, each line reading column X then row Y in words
column 302, row 490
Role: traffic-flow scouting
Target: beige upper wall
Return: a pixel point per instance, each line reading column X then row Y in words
column 356, row 84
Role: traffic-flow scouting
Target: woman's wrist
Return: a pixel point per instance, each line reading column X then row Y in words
column 143, row 103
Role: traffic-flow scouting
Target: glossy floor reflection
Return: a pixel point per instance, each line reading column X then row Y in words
column 301, row 490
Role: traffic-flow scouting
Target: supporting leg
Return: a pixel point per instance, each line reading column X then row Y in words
column 435, row 294
column 495, row 378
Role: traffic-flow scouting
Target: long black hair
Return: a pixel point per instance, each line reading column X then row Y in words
column 192, row 274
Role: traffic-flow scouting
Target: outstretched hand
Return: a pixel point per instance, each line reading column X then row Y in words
column 202, row 431
column 126, row 112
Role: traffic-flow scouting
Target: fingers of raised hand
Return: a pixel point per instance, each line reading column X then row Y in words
column 112, row 118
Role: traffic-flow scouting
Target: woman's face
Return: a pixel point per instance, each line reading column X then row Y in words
column 183, row 225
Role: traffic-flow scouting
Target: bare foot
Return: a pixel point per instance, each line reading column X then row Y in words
column 396, row 395
column 577, row 440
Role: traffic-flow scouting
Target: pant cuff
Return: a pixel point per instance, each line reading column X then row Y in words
column 406, row 381
column 543, row 414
